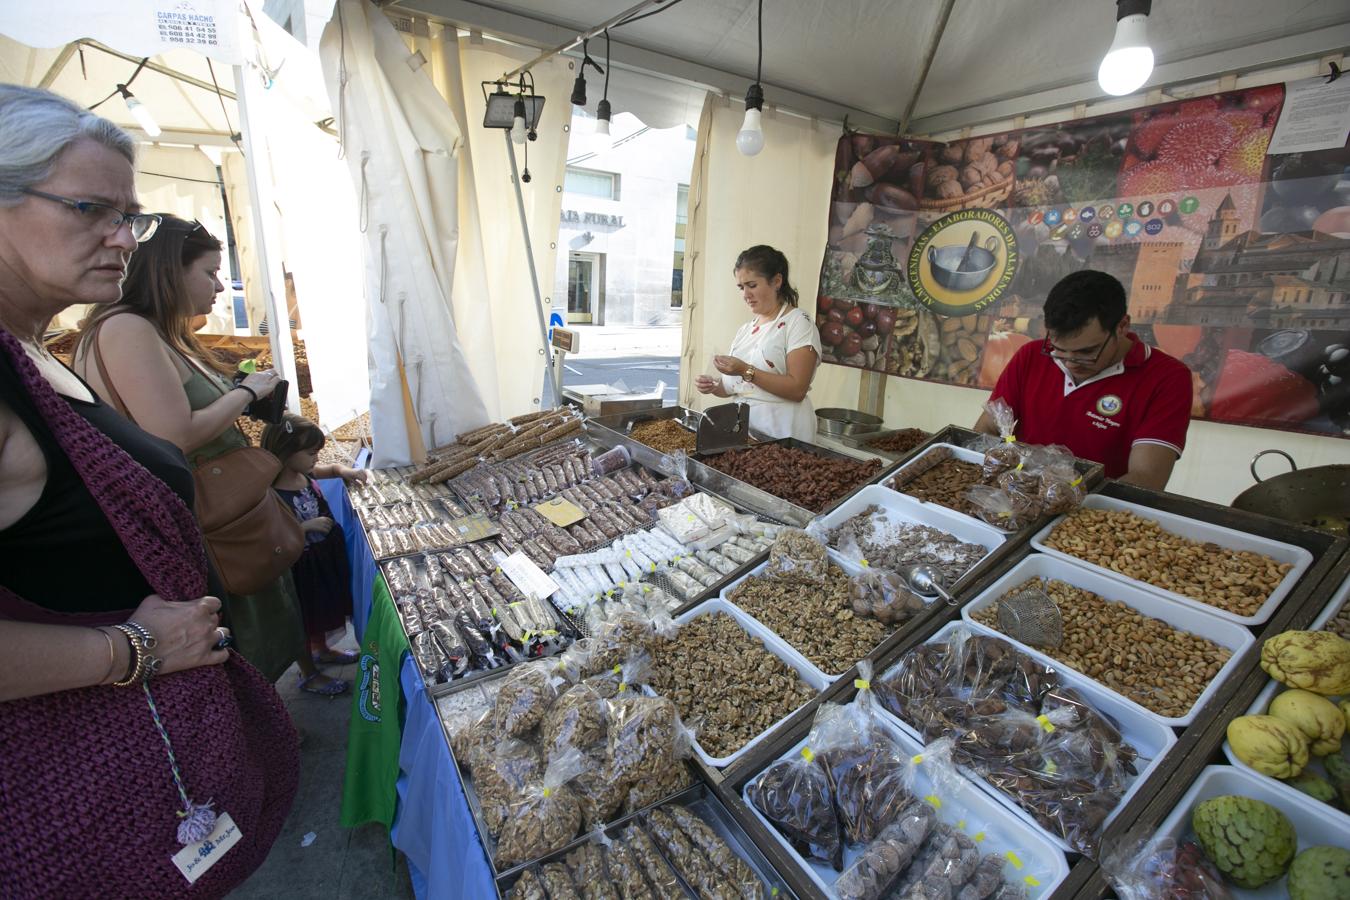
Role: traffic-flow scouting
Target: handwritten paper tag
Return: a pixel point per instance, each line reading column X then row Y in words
column 195, row 860
column 560, row 512
column 528, row 577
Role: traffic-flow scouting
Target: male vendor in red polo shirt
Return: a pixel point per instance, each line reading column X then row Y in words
column 1093, row 386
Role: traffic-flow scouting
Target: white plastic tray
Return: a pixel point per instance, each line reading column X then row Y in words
column 849, row 566
column 1262, row 703
column 969, row 809
column 1314, row 822
column 1195, row 530
column 1149, row 737
column 915, row 512
column 774, row 645
column 1235, row 637
column 963, row 455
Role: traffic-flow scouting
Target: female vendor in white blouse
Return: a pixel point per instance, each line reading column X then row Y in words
column 774, row 355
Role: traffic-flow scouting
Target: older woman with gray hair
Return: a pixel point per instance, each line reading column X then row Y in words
column 127, row 729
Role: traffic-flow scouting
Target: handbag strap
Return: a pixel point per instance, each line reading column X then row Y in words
column 108, row 387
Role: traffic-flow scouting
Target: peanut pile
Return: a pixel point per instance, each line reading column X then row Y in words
column 1237, row 581
column 1161, row 668
column 818, row 622
column 724, row 681
column 665, row 435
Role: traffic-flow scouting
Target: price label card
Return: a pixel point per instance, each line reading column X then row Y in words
column 470, row 529
column 561, row 512
column 195, row 859
column 527, row 577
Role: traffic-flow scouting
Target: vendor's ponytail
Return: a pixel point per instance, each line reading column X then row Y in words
column 769, row 262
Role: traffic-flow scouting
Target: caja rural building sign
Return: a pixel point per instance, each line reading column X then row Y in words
column 576, row 217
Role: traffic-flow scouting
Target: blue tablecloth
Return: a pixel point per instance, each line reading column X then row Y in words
column 364, row 569
column 433, row 825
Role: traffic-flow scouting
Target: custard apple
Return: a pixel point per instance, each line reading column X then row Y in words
column 1251, row 842
column 1320, row 873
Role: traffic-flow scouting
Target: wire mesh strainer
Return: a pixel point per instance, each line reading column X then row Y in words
column 1027, row 614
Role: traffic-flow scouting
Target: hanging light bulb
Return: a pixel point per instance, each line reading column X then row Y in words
column 1129, row 61
column 603, row 140
column 518, row 130
column 750, row 139
column 139, row 111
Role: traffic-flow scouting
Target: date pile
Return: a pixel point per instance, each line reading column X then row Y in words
column 1019, row 727
column 802, row 478
column 898, row 442
column 1237, row 581
column 721, row 676
column 648, row 859
column 1163, row 669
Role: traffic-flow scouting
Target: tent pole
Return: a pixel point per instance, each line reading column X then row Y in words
column 534, row 274
column 943, row 15
column 583, row 36
column 58, row 65
column 279, row 332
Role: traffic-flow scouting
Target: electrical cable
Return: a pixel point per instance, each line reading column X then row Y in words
column 606, row 94
column 125, row 84
column 223, row 111
column 759, row 63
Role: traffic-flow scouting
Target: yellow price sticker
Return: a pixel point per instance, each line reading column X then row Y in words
column 935, row 800
column 862, row 684
column 979, row 837
column 1013, row 858
column 808, row 755
column 1046, row 724
column 916, row 759
column 1032, row 880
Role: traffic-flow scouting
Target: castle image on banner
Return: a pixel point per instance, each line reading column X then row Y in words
column 1249, row 279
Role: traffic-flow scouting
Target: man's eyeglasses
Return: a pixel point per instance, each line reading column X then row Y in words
column 105, row 217
column 1075, row 359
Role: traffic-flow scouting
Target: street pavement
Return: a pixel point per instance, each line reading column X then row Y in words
column 638, row 373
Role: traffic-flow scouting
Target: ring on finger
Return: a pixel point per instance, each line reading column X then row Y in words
column 225, row 639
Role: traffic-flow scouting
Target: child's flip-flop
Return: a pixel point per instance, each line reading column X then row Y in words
column 335, row 657
column 332, row 689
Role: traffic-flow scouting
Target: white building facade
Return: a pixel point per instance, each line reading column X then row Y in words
column 621, row 238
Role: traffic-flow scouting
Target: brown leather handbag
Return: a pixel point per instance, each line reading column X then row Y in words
column 252, row 537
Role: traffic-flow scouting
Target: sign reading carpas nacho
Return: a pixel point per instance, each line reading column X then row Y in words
column 963, row 262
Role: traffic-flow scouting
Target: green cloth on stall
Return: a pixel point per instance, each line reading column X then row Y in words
column 376, row 732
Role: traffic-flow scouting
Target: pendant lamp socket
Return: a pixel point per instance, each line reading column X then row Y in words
column 1129, row 60
column 604, row 141
column 750, row 139
column 518, row 122
column 579, row 87
column 139, row 111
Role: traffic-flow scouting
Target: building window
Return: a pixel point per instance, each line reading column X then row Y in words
column 677, row 265
column 591, row 183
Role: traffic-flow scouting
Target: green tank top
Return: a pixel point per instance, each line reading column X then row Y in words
column 202, row 391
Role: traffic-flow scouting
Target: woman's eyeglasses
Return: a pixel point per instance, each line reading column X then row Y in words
column 105, row 217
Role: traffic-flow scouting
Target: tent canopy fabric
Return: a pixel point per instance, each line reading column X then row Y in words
column 864, row 57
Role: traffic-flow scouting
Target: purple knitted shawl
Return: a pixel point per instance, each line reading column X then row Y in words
column 86, row 794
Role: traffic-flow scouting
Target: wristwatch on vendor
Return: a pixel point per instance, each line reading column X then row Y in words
column 749, row 374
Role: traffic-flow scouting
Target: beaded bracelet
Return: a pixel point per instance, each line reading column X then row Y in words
column 152, row 663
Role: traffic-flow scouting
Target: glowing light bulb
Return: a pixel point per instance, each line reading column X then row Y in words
column 1129, row 61
column 140, row 112
column 750, row 139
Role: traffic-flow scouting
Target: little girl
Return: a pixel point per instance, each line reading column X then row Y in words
column 323, row 572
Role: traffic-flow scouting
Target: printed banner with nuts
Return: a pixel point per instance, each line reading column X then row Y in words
column 940, row 256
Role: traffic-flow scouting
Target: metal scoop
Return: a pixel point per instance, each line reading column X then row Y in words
column 1029, row 615
column 926, row 581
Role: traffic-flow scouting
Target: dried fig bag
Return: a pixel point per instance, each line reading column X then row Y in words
column 543, row 817
column 1158, row 868
column 794, row 795
column 884, row 861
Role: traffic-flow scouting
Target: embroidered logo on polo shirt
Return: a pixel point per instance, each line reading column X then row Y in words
column 1109, row 405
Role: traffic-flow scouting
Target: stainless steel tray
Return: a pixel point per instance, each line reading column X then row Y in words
column 861, row 441
column 612, row 431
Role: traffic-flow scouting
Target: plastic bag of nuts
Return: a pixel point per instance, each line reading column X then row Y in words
column 1007, row 453
column 884, row 861
column 717, row 851
column 1011, row 510
column 625, row 869
column 797, row 556
column 689, row 861
column 544, row 816
column 587, row 865
column 1150, row 867
column 525, row 698
column 576, row 719
column 502, row 776
column 883, row 595
column 794, row 795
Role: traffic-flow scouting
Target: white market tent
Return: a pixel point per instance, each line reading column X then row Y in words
column 290, row 171
column 991, row 66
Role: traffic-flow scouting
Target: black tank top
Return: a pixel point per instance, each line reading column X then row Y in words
column 63, row 554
